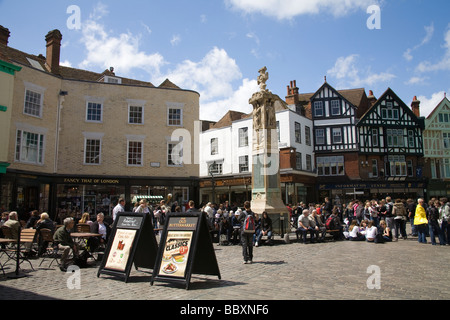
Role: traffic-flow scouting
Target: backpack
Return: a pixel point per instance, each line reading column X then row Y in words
column 249, row 224
column 329, row 224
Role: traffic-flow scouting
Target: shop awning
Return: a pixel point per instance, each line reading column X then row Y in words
column 137, row 198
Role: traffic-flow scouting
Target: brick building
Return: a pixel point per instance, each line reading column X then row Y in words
column 78, row 140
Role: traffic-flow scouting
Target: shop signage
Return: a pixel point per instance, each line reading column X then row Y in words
column 132, row 241
column 91, row 181
column 185, row 249
column 371, row 185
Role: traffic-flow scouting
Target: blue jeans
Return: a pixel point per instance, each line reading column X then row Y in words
column 260, row 235
column 422, row 233
column 400, row 224
column 376, row 220
column 446, row 228
column 304, row 233
column 435, row 230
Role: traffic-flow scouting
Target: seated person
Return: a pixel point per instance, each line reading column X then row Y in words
column 65, row 242
column 354, row 232
column 304, row 226
column 225, row 227
column 44, row 223
column 99, row 227
column 266, row 229
column 14, row 224
column 372, row 232
column 319, row 225
column 385, row 232
column 236, row 225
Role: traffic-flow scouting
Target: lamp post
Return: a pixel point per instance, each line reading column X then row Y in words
column 213, row 182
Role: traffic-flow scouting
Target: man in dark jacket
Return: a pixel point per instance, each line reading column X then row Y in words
column 65, row 242
column 246, row 238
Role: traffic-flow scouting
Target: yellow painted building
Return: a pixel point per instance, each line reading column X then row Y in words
column 76, row 141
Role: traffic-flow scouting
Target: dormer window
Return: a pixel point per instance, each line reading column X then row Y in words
column 109, row 79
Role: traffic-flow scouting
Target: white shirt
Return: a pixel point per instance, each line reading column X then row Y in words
column 102, row 230
column 371, row 233
column 304, row 220
column 354, row 232
column 117, row 209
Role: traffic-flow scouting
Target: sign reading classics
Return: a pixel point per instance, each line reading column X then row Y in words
column 185, row 248
column 132, row 241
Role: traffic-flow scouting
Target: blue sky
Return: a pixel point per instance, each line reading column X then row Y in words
column 217, row 47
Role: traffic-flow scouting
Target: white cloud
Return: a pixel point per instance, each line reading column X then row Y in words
column 429, row 34
column 288, row 9
column 214, row 78
column 417, row 80
column 211, row 77
column 427, row 105
column 175, row 40
column 203, row 18
column 347, row 72
column 66, row 63
column 443, row 64
column 120, row 51
column 238, row 101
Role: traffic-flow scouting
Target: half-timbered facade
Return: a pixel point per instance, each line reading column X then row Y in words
column 335, row 115
column 391, row 148
column 437, row 150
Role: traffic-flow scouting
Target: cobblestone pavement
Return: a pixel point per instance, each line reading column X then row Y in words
column 332, row 270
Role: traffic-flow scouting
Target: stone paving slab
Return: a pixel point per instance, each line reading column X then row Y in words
column 331, row 270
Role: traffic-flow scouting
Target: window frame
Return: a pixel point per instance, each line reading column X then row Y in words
column 19, row 147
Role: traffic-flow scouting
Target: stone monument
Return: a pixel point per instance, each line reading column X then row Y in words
column 266, row 187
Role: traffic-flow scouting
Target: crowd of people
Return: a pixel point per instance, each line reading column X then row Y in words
column 371, row 221
column 374, row 221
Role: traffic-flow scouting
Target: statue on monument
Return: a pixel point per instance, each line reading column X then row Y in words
column 262, row 78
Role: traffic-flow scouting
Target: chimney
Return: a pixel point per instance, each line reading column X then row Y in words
column 415, row 106
column 292, row 93
column 4, row 35
column 53, row 39
column 371, row 98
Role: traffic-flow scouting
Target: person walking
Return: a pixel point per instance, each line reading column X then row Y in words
column 246, row 237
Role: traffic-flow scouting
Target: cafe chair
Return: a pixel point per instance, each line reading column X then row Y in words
column 83, row 227
column 7, row 233
column 8, row 249
column 51, row 250
column 27, row 240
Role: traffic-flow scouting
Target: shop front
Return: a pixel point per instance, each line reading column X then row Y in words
column 346, row 192
column 71, row 196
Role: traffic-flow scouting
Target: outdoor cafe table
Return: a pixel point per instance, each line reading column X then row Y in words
column 80, row 236
column 15, row 257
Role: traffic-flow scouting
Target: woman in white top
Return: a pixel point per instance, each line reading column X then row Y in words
column 372, row 232
column 355, row 235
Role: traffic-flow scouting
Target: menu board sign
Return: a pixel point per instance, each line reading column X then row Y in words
column 176, row 253
column 132, row 240
column 120, row 249
column 185, row 248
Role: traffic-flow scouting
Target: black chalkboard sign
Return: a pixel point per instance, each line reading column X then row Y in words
column 185, row 249
column 132, row 240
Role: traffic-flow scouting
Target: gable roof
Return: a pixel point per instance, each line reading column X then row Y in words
column 389, row 91
column 38, row 62
column 228, row 119
column 356, row 97
column 438, row 107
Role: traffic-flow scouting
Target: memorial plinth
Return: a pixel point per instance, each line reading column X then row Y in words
column 266, row 187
